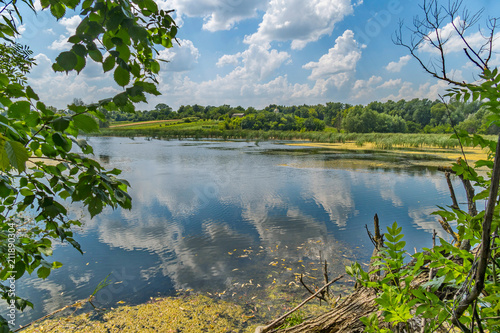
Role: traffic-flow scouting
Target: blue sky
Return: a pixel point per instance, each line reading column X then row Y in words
column 261, row 52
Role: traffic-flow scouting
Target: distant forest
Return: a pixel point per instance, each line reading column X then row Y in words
column 415, row 116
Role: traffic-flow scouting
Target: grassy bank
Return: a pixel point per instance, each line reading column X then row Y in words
column 212, row 130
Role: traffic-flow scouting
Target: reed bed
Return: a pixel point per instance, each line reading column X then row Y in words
column 210, row 131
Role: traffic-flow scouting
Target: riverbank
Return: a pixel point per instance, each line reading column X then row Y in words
column 213, row 130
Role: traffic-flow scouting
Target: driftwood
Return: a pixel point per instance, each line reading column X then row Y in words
column 280, row 320
column 345, row 315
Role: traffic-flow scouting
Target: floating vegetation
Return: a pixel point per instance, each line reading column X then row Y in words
column 245, row 304
column 193, row 313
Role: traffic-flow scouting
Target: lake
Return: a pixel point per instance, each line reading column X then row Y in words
column 228, row 218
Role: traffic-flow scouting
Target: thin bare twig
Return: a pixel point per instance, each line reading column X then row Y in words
column 321, row 298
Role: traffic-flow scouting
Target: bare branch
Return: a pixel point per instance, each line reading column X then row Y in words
column 428, row 31
column 493, row 24
column 461, row 27
column 310, row 291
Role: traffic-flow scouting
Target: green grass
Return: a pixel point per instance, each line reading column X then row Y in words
column 210, row 129
column 293, row 320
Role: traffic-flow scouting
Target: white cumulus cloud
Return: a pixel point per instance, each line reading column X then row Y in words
column 396, row 66
column 299, row 21
column 427, row 90
column 258, row 61
column 217, row 14
column 390, row 84
column 339, row 64
column 364, row 84
column 180, row 58
column 70, row 23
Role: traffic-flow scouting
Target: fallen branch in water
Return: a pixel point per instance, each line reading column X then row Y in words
column 277, row 322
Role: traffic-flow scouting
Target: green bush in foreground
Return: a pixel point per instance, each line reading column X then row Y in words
column 463, row 289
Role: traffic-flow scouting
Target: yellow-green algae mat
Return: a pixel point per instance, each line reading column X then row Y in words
column 195, row 313
column 241, row 309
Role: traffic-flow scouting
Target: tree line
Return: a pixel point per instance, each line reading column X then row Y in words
column 413, row 116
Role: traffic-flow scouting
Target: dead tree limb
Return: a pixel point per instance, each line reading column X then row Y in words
column 325, row 274
column 378, row 240
column 279, row 321
column 452, row 191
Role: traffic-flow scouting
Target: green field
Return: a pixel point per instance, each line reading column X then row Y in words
column 211, row 129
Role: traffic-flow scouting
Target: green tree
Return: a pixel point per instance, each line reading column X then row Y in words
column 43, row 158
column 438, row 114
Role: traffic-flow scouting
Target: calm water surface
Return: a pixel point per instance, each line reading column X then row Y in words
column 211, row 216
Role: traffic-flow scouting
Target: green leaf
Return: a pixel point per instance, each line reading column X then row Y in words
column 4, row 159
column 117, row 41
column 48, row 150
column 4, row 79
column 155, row 66
column 72, row 3
column 75, row 244
column 58, row 10
column 26, row 192
column 45, row 250
column 108, row 64
column 124, row 52
column 95, row 17
column 85, row 123
column 482, row 195
column 75, row 39
column 21, row 304
column 95, row 206
column 61, row 123
column 43, row 272
column 17, row 154
column 96, row 55
column 80, row 64
column 150, row 5
column 115, row 19
column 149, row 88
column 67, row 60
column 120, row 99
column 19, row 109
column 31, row 94
column 79, row 50
column 166, row 42
column 61, row 141
column 121, row 76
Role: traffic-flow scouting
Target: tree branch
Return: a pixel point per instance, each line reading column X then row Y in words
column 485, row 242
